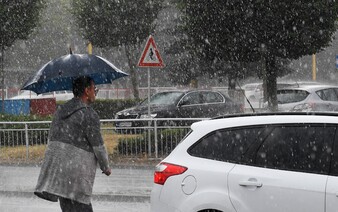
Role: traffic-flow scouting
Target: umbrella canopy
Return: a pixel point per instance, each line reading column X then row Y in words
column 58, row 74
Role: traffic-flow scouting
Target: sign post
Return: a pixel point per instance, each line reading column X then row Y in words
column 314, row 74
column 150, row 57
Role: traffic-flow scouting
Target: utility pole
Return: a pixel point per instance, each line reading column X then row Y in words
column 314, row 73
column 90, row 48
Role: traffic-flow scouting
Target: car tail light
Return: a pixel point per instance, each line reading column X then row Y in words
column 242, row 109
column 305, row 107
column 165, row 170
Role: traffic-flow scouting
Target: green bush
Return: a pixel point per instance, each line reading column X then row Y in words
column 14, row 134
column 132, row 146
column 167, row 139
column 107, row 108
column 10, row 138
column 23, row 118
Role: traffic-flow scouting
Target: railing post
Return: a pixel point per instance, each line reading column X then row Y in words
column 155, row 139
column 27, row 142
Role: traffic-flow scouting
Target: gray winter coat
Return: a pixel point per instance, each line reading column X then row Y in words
column 75, row 145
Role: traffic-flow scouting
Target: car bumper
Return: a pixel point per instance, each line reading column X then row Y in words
column 131, row 123
column 156, row 205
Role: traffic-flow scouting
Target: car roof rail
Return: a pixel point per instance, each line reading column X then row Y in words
column 276, row 113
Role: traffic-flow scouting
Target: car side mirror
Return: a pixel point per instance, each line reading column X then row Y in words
column 181, row 103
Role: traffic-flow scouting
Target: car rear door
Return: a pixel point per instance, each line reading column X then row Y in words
column 332, row 183
column 191, row 105
column 255, row 189
column 332, row 194
column 329, row 100
column 205, row 104
column 214, row 104
column 288, row 171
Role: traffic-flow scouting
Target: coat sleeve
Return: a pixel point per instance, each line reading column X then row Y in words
column 94, row 136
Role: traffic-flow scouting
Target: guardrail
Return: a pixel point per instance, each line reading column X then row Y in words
column 153, row 138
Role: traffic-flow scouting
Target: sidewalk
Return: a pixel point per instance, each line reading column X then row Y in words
column 126, row 184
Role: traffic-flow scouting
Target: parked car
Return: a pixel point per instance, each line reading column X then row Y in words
column 254, row 92
column 250, row 163
column 180, row 104
column 308, row 98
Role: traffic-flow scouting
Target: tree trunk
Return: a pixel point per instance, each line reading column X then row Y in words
column 133, row 75
column 231, row 84
column 271, row 83
column 265, row 90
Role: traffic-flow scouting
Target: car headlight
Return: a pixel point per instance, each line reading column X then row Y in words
column 145, row 116
column 302, row 107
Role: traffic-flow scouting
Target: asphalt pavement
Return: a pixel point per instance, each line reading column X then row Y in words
column 126, row 187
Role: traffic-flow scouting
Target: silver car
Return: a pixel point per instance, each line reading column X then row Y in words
column 308, row 98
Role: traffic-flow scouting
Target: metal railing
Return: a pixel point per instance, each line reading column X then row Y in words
column 153, row 138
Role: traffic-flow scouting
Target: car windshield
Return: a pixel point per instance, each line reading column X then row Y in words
column 165, row 98
column 290, row 96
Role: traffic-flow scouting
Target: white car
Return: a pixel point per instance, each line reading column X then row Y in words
column 254, row 92
column 308, row 98
column 252, row 163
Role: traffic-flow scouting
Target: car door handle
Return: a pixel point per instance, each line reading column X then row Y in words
column 250, row 183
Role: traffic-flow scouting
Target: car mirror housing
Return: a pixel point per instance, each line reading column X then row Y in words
column 181, row 103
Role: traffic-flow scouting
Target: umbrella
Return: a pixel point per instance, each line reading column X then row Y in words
column 58, row 74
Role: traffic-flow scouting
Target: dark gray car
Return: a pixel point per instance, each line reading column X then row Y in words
column 181, row 104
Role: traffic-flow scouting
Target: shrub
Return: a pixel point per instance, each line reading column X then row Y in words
column 107, row 108
column 167, row 140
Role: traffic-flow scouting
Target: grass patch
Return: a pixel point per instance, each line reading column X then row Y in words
column 19, row 153
column 36, row 153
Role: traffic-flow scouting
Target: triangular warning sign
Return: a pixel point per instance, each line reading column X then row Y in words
column 150, row 56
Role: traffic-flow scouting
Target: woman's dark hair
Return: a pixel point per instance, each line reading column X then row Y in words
column 79, row 85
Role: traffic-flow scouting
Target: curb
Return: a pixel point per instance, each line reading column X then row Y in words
column 113, row 165
column 95, row 197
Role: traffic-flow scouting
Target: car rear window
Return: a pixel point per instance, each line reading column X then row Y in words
column 227, row 145
column 290, row 96
column 328, row 94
